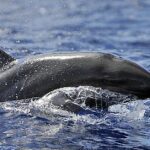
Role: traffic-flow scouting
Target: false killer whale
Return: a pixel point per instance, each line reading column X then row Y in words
column 37, row 75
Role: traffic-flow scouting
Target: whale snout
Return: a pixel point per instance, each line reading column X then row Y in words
column 141, row 85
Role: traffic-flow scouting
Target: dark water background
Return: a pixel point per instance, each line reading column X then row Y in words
column 34, row 26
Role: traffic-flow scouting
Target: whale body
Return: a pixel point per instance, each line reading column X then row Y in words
column 37, row 75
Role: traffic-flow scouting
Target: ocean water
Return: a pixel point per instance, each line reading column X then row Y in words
column 33, row 27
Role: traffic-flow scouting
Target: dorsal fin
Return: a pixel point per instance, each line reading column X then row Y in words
column 5, row 58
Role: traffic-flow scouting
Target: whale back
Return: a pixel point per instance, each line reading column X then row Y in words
column 38, row 75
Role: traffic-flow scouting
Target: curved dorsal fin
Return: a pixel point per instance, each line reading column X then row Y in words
column 5, row 58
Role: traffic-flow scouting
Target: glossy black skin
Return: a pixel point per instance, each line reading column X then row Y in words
column 40, row 74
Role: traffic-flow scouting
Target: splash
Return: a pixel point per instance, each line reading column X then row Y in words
column 131, row 111
column 81, row 104
column 82, row 100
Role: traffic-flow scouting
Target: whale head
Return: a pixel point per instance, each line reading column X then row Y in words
column 124, row 76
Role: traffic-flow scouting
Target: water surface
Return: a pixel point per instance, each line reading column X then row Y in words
column 118, row 27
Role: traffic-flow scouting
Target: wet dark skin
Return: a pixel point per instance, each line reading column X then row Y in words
column 37, row 75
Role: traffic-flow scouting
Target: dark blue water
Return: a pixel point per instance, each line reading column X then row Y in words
column 34, row 26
